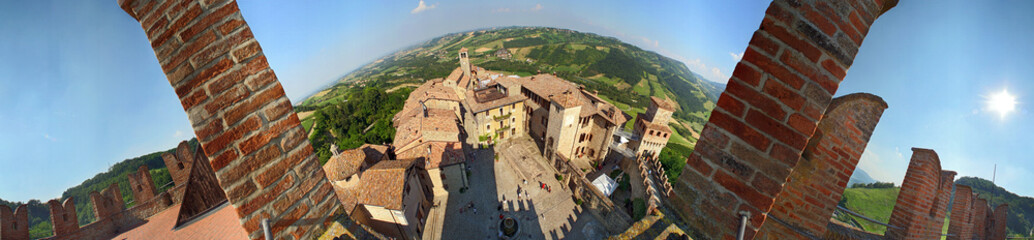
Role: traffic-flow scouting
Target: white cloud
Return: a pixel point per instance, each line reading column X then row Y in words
column 423, row 7
column 718, row 73
column 48, row 137
column 649, row 41
column 177, row 134
column 538, row 6
column 735, row 56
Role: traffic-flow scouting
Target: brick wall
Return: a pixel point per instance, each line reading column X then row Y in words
column 107, row 202
column 960, row 224
column 771, row 105
column 939, row 211
column 179, row 163
column 14, row 225
column 142, row 185
column 811, row 193
column 918, row 202
column 980, row 211
column 202, row 191
column 63, row 216
column 998, row 224
column 239, row 112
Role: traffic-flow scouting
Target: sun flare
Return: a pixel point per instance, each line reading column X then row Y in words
column 1002, row 103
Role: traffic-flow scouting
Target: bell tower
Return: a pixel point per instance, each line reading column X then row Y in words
column 464, row 62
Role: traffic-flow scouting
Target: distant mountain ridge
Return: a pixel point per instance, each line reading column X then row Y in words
column 860, row 176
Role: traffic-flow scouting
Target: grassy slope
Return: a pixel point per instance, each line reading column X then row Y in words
column 875, row 203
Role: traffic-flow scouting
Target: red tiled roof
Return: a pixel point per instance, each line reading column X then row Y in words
column 350, row 161
column 222, row 223
column 440, row 154
column 384, row 184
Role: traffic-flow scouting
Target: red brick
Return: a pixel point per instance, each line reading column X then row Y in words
column 773, row 68
column 227, row 98
column 698, row 164
column 213, row 127
column 833, row 68
column 263, row 137
column 255, row 223
column 281, row 205
column 267, row 196
column 777, row 130
column 801, row 124
column 857, row 22
column 234, row 134
column 158, row 28
column 754, row 98
column 208, row 20
column 818, row 20
column 321, row 193
column 809, row 50
column 791, row 98
column 253, row 104
column 777, row 12
column 747, row 74
column 278, row 110
column 247, row 51
column 230, row 25
column 197, row 97
column 224, row 159
column 745, row 192
column 222, row 47
column 739, row 129
column 764, row 43
column 204, row 75
column 243, row 190
column 258, row 81
column 766, row 185
column 178, row 75
column 731, row 105
column 288, row 219
column 251, row 164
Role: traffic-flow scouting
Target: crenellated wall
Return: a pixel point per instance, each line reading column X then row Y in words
column 961, row 221
column 179, row 163
column 240, row 114
column 980, row 219
column 771, row 105
column 142, row 185
column 998, row 222
column 14, row 225
column 811, row 193
column 107, row 202
column 63, row 216
column 919, row 201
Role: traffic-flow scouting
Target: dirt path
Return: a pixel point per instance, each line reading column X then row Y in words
column 402, row 86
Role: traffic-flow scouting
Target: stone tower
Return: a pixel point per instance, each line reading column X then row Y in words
column 652, row 128
column 464, row 62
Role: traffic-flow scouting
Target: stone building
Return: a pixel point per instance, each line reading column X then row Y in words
column 392, row 197
column 652, row 128
column 568, row 120
column 503, row 53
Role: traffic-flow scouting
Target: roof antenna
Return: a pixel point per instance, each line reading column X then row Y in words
column 994, row 188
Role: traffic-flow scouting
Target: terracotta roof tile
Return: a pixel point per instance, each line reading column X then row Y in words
column 223, row 223
column 384, row 184
column 663, row 103
column 437, row 154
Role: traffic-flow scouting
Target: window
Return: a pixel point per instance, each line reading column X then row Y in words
column 488, row 126
column 180, row 165
column 581, row 138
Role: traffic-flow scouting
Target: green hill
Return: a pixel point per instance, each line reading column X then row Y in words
column 1021, row 208
column 39, row 213
column 874, row 203
column 623, row 74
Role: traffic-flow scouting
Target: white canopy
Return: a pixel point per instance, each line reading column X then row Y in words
column 605, row 184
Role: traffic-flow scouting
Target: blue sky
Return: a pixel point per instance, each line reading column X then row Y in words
column 82, row 89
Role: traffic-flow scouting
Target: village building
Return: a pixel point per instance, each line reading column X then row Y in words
column 392, row 197
column 652, row 128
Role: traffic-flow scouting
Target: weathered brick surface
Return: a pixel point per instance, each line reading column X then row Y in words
column 961, row 223
column 922, row 201
column 980, row 219
column 998, row 223
column 63, row 216
column 202, row 191
column 770, row 108
column 178, row 163
column 142, row 185
column 237, row 108
column 14, row 225
column 107, row 202
column 815, row 186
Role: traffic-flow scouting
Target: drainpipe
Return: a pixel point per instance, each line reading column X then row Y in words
column 743, row 224
column 265, row 229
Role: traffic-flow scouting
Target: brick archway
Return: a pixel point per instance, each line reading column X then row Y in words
column 240, row 114
column 762, row 122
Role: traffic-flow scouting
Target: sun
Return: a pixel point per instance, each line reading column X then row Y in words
column 1002, row 102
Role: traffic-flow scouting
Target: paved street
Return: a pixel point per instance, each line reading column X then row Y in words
column 494, row 187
